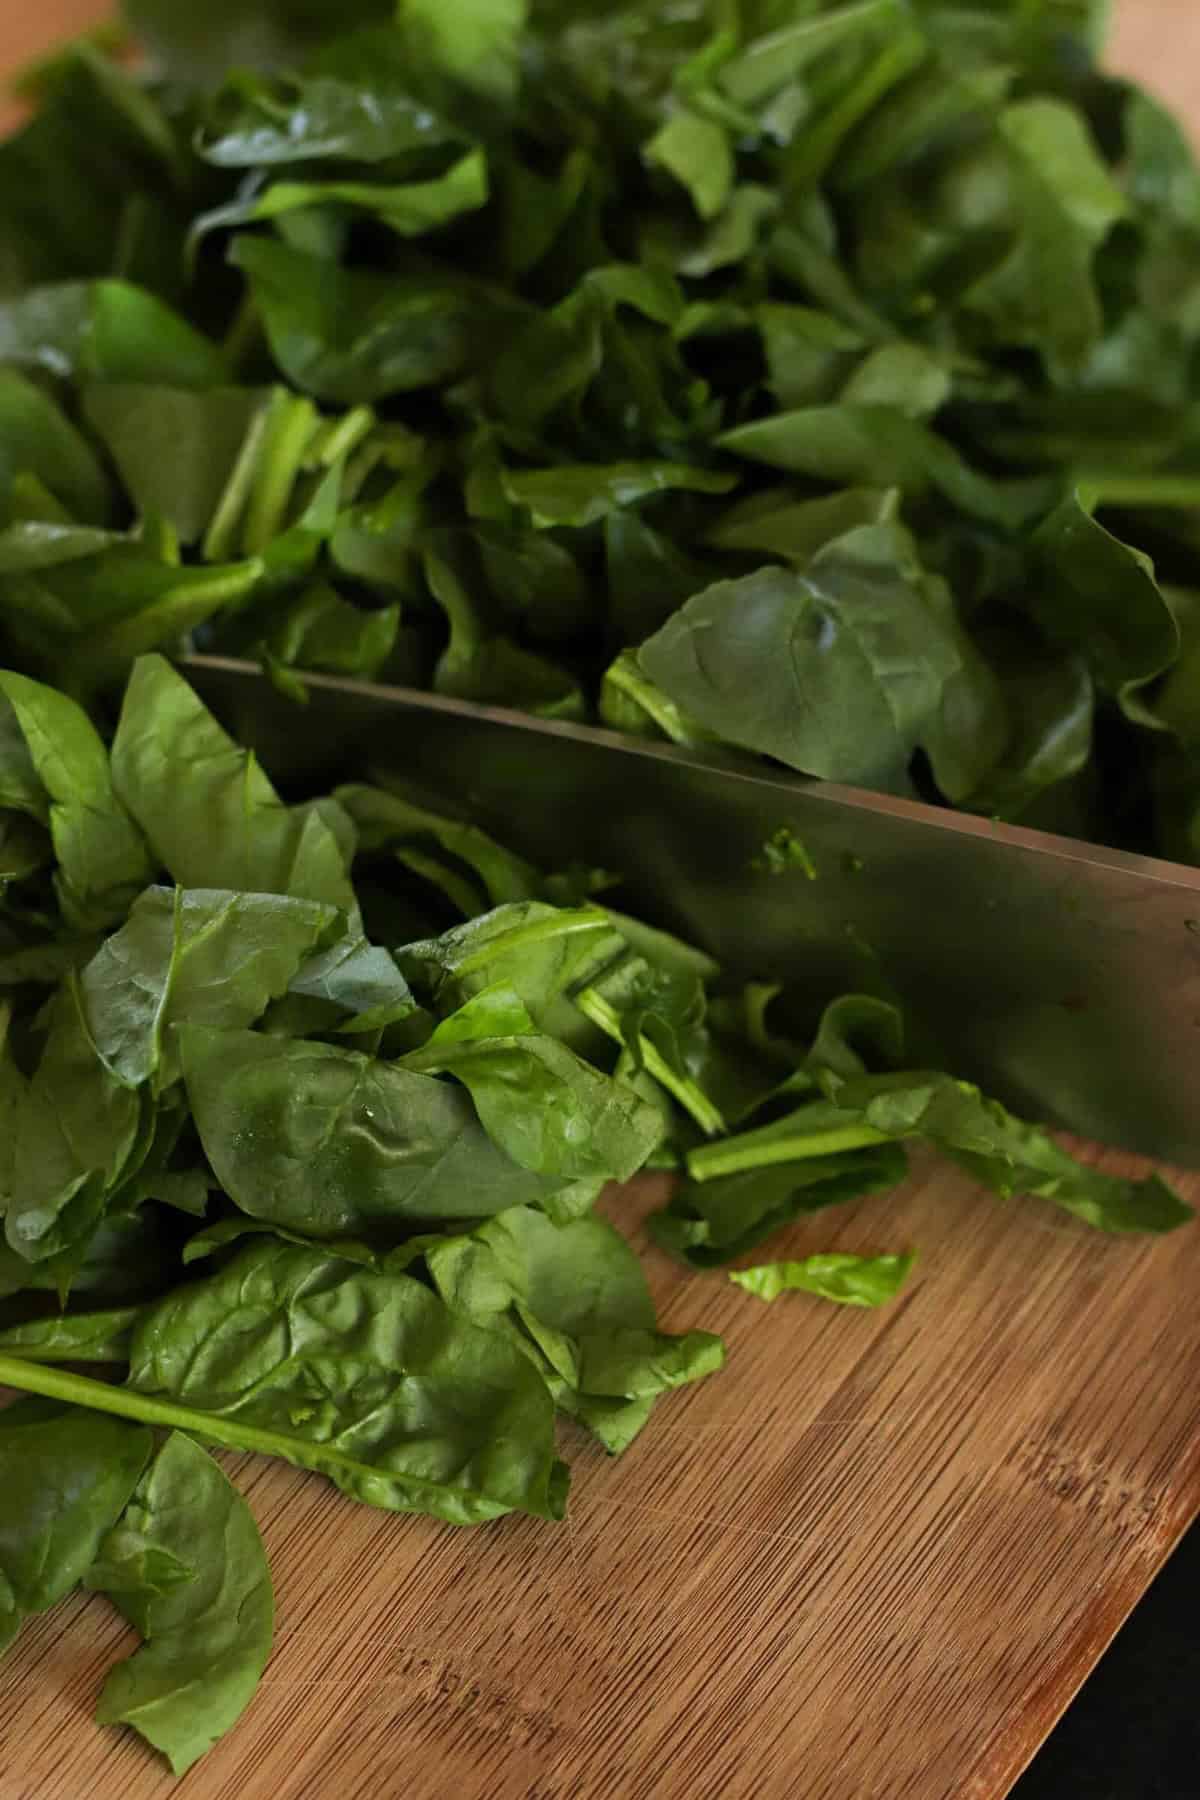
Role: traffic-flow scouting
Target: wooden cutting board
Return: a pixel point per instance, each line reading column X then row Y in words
column 873, row 1560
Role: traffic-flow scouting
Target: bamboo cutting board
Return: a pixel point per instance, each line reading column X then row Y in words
column 873, row 1560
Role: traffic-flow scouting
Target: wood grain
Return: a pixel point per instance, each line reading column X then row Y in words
column 874, row 1558
column 872, row 1561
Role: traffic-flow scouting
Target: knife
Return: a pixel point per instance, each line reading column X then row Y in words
column 1062, row 977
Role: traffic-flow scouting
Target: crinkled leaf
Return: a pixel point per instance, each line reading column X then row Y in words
column 363, row 1375
column 199, row 956
column 575, row 1298
column 329, row 1141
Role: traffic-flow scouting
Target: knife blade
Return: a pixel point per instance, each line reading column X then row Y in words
column 1062, row 977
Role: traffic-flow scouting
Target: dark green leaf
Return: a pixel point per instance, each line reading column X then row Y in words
column 36, row 438
column 387, row 818
column 1099, row 595
column 73, row 1337
column 354, row 102
column 362, row 1375
column 710, row 1222
column 224, row 826
column 106, row 330
column 76, row 1130
column 581, row 495
column 544, row 1106
column 575, row 1299
column 349, row 335
column 67, row 1477
column 838, row 672
column 186, row 1566
column 56, row 768
column 332, row 1142
column 174, row 447
column 198, row 956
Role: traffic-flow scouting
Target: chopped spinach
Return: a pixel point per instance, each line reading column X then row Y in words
column 817, row 382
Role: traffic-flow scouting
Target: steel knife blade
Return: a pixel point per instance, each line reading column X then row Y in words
column 1064, row 978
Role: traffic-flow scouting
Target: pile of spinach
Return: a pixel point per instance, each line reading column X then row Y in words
column 306, row 1108
column 813, row 375
column 815, row 378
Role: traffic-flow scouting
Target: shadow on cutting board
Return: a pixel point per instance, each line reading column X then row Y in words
column 1134, row 1731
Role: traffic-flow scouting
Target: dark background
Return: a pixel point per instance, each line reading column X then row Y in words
column 1134, row 1731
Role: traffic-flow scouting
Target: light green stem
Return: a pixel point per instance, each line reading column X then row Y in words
column 692, row 1098
column 754, row 1150
column 222, row 527
column 291, row 421
column 215, row 1428
column 589, row 918
column 344, row 435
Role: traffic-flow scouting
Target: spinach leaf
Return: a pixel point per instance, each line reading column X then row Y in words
column 575, row 1299
column 584, row 495
column 353, row 102
column 107, row 330
column 186, row 1566
column 834, row 1275
column 201, row 956
column 77, row 1129
column 224, row 825
column 67, row 1476
column 1063, row 202
column 73, row 1337
column 350, row 335
column 1100, row 596
column 540, row 951
column 1005, row 1153
column 55, row 768
column 386, row 817
column 840, row 671
column 710, row 1222
column 174, row 447
column 331, row 1142
column 550, row 1111
column 363, row 1375
column 1000, row 1151
column 37, row 439
column 408, row 208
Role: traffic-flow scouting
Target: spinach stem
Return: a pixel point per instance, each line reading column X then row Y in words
column 692, row 1098
column 585, row 918
column 218, row 539
column 216, row 1428
column 760, row 1150
column 291, row 422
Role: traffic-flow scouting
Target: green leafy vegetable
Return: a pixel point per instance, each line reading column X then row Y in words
column 574, row 1298
column 849, row 1280
column 67, row 1476
column 198, row 956
column 224, row 826
column 329, row 1141
column 814, row 379
column 73, row 1337
column 56, row 769
column 186, row 1566
column 361, row 1374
